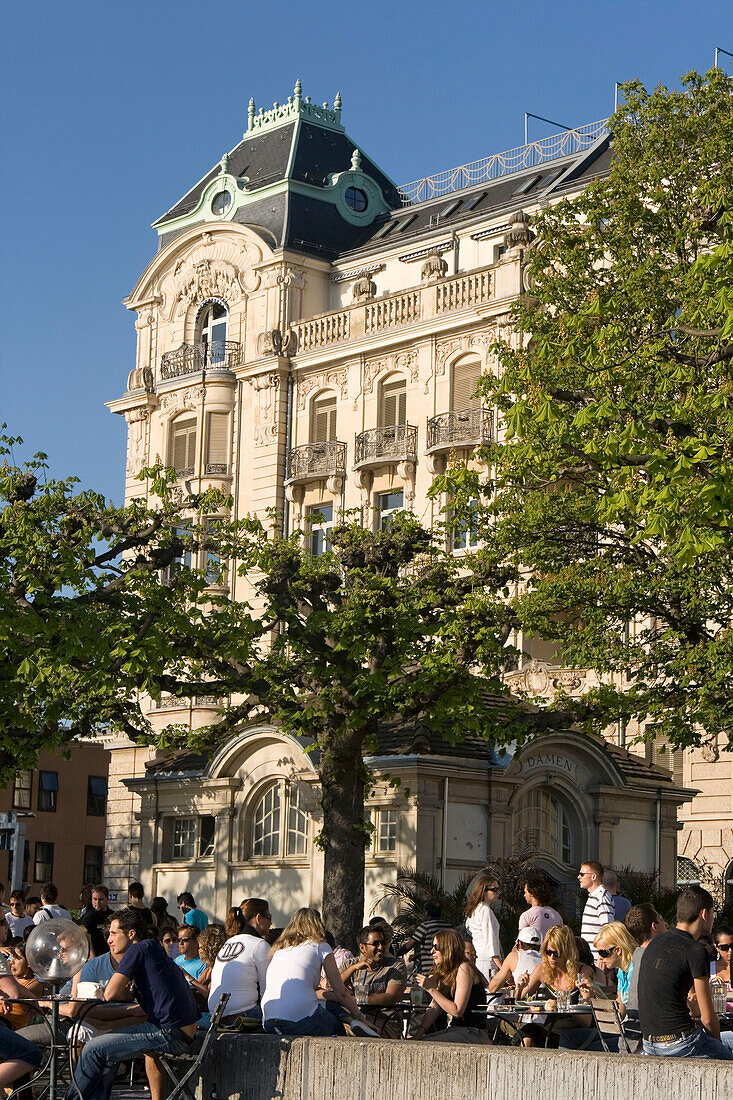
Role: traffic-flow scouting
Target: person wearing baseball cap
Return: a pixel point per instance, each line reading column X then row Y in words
column 521, row 960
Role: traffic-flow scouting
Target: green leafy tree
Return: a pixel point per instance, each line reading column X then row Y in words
column 386, row 626
column 96, row 609
column 614, row 487
column 93, row 610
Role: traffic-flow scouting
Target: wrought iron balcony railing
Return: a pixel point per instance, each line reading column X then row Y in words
column 387, row 444
column 192, row 358
column 214, row 469
column 316, row 460
column 463, row 428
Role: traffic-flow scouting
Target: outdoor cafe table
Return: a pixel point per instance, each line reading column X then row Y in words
column 515, row 1015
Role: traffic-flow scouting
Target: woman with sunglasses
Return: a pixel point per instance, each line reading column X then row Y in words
column 720, row 969
column 558, row 971
column 456, row 989
column 483, row 925
column 615, row 947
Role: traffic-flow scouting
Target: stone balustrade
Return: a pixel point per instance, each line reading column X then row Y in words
column 378, row 315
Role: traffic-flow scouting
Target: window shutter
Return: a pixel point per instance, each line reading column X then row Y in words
column 466, row 374
column 217, row 442
column 324, row 421
column 184, row 444
column 393, row 405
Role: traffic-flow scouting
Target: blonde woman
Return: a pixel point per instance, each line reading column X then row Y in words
column 291, row 1004
column 558, row 971
column 457, row 989
column 615, row 947
column 483, row 925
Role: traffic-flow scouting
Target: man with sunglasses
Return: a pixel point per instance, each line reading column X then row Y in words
column 382, row 980
column 598, row 910
column 673, row 963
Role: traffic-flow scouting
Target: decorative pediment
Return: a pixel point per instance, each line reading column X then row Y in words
column 470, row 341
column 215, row 267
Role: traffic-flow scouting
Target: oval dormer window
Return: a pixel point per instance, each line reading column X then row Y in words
column 221, row 202
column 356, row 199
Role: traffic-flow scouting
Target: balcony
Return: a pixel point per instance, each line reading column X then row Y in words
column 382, row 445
column 219, row 355
column 314, row 460
column 394, row 311
column 464, row 428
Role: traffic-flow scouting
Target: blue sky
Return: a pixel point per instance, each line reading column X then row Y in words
column 113, row 110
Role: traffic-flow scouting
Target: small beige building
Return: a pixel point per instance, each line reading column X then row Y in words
column 310, row 339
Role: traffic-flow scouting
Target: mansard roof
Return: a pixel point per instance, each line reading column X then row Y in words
column 284, row 177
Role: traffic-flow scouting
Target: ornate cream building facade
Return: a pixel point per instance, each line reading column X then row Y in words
column 310, row 338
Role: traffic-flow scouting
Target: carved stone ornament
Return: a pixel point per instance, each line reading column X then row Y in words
column 538, row 678
column 181, row 400
column 266, row 388
column 323, row 381
column 472, row 341
column 137, row 441
column 434, row 268
column 363, row 289
column 709, row 750
column 275, row 342
column 520, row 235
column 215, row 268
column 407, row 361
column 270, row 342
column 141, row 378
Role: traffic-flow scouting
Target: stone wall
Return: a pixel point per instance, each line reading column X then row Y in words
column 261, row 1067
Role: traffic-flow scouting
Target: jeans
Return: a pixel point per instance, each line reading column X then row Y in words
column 326, row 1020
column 97, row 1066
column 697, row 1045
column 14, row 1048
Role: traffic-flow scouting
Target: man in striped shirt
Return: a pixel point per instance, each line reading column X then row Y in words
column 599, row 906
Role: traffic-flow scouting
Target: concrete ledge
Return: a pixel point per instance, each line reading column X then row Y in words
column 262, row 1067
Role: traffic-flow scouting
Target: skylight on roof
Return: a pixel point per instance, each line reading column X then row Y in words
column 476, row 200
column 450, row 208
column 527, row 184
column 406, row 221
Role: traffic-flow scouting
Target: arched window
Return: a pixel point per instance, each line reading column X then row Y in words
column 464, row 383
column 280, row 804
column 266, row 824
column 323, row 419
column 688, row 872
column 540, row 819
column 211, row 333
column 297, row 840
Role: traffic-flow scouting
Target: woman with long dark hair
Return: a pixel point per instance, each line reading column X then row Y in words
column 483, row 925
column 456, row 989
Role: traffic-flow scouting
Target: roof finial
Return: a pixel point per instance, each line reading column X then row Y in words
column 251, row 113
column 298, row 89
column 337, row 102
column 355, row 161
column 225, row 163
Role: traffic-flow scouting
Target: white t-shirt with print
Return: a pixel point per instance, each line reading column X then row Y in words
column 240, row 969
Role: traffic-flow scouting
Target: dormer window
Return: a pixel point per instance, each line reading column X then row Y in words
column 356, row 199
column 221, row 202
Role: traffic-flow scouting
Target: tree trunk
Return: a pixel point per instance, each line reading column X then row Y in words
column 342, row 776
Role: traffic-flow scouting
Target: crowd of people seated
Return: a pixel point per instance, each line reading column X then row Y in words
column 157, row 979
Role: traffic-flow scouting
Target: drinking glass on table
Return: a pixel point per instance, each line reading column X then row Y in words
column 415, row 995
column 361, row 993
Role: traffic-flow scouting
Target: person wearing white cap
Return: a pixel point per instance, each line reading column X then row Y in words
column 521, row 960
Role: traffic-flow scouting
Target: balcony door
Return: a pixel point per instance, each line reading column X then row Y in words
column 393, row 404
column 464, row 383
column 323, row 419
column 212, row 333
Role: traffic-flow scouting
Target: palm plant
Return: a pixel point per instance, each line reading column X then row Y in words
column 412, row 889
